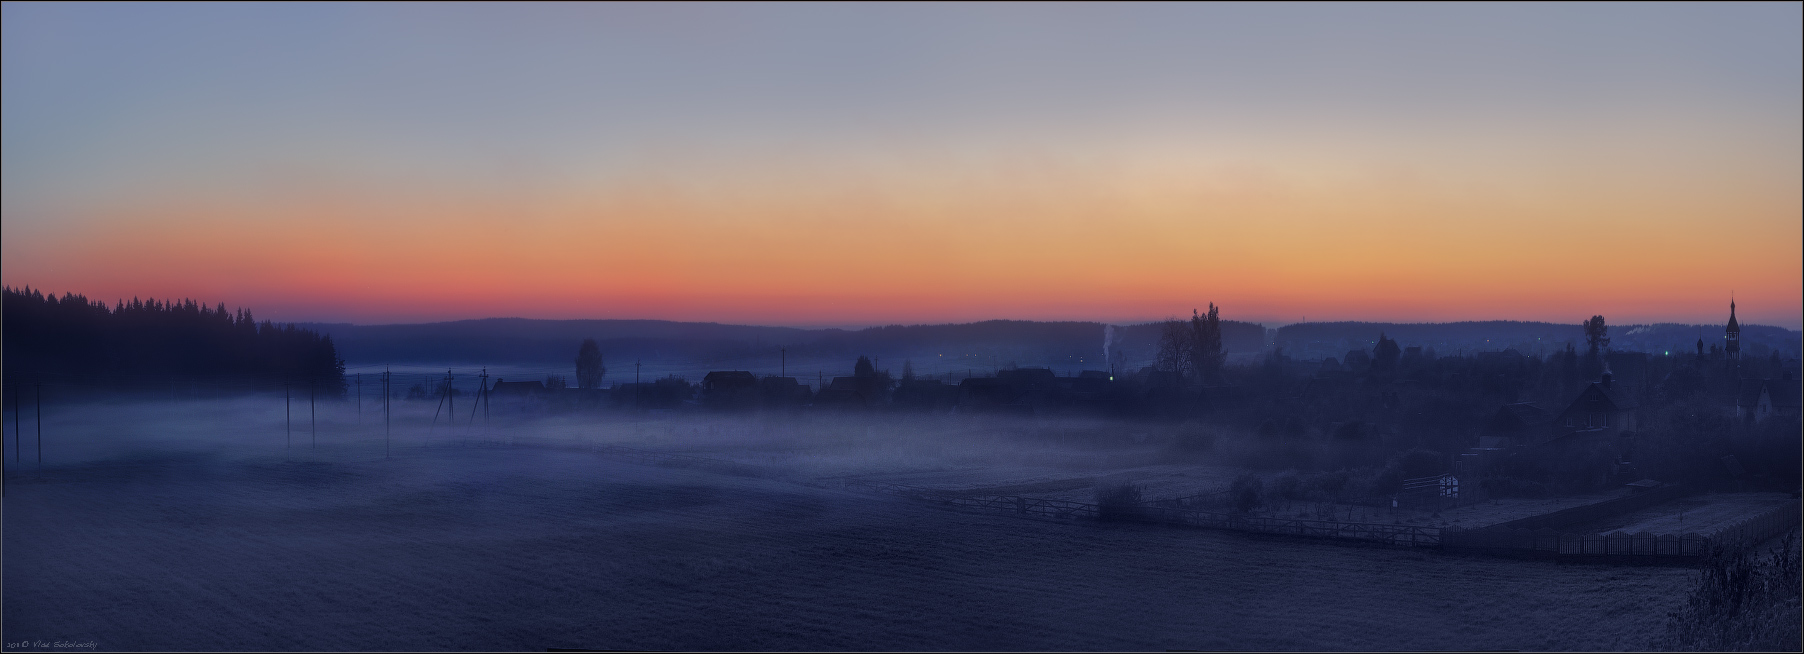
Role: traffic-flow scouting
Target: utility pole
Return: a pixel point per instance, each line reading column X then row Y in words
column 312, row 422
column 287, row 414
column 385, row 392
column 482, row 383
column 485, row 397
column 443, row 398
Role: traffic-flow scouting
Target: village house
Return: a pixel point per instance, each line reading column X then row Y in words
column 985, row 394
column 1759, row 400
column 1602, row 408
column 1516, row 424
column 783, row 392
column 508, row 389
column 730, row 389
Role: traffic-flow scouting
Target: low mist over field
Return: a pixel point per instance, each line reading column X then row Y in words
column 529, row 534
column 171, row 461
column 901, row 326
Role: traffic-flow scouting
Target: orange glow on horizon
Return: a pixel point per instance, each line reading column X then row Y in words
column 1057, row 245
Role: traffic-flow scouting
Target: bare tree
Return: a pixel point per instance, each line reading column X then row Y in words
column 1175, row 344
column 589, row 369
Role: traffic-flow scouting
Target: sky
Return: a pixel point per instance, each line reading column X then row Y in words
column 838, row 164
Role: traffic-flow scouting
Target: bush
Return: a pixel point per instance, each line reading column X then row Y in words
column 1344, row 455
column 1288, row 486
column 1686, row 445
column 1330, row 485
column 1193, row 437
column 1247, row 493
column 1771, row 452
column 1413, row 464
column 1740, row 604
column 1275, row 455
column 1576, row 466
column 1512, row 487
column 1119, row 503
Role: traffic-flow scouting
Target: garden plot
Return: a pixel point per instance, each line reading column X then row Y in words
column 1501, row 510
column 1701, row 514
column 1472, row 516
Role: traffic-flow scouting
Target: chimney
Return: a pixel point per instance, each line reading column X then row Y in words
column 1607, row 378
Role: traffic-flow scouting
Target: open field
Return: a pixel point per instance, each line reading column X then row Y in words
column 478, row 545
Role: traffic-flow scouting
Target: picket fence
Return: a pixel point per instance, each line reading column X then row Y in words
column 1758, row 528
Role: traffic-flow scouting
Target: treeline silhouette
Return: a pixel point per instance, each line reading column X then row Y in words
column 1319, row 339
column 520, row 340
column 144, row 343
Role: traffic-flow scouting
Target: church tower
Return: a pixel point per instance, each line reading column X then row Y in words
column 1732, row 334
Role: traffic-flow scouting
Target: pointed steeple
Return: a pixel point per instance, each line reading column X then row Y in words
column 1732, row 333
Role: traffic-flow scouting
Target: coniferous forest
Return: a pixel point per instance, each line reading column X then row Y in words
column 147, row 343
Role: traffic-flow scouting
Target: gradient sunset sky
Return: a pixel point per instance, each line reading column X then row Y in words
column 805, row 164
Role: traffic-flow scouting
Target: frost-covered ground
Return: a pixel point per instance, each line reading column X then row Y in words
column 151, row 540
column 1703, row 514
